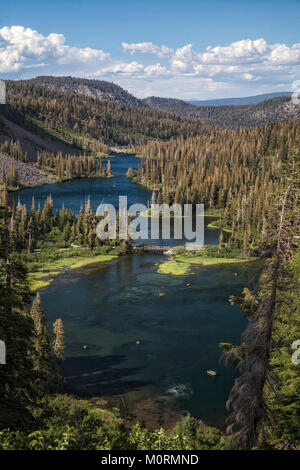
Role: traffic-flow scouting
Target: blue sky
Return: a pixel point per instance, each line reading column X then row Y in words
column 186, row 49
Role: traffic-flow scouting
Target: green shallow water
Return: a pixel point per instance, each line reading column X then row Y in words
column 108, row 307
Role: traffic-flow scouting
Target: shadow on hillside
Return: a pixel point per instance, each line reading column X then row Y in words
column 49, row 141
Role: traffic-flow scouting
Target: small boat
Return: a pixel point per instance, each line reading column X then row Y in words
column 211, row 372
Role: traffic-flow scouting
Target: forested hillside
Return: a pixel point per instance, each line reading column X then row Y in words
column 232, row 170
column 84, row 122
column 98, row 89
column 113, row 114
column 245, row 100
column 274, row 109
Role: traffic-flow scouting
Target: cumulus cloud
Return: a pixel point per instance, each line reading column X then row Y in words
column 24, row 48
column 282, row 54
column 123, row 67
column 183, row 58
column 235, row 68
column 241, row 61
column 147, row 48
column 238, row 51
column 156, row 70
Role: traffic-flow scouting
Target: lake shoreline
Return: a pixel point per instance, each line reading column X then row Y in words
column 176, row 265
column 44, row 277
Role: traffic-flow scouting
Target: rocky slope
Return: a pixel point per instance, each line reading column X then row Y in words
column 27, row 173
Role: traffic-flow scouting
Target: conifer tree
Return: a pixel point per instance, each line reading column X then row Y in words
column 42, row 355
column 58, row 344
column 249, row 397
column 16, row 330
column 4, row 196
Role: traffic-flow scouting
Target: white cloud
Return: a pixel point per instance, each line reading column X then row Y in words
column 239, row 51
column 147, row 48
column 248, row 76
column 123, row 67
column 24, row 47
column 183, row 59
column 156, row 70
column 282, row 54
column 237, row 68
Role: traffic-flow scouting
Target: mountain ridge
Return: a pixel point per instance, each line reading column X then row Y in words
column 78, row 114
column 226, row 112
column 243, row 100
column 274, row 109
column 98, row 89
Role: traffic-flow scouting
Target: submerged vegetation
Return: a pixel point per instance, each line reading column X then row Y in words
column 180, row 265
column 181, row 262
column 42, row 272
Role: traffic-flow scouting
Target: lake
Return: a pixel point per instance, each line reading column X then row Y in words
column 74, row 194
column 110, row 307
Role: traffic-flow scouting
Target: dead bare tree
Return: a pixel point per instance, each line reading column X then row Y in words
column 248, row 396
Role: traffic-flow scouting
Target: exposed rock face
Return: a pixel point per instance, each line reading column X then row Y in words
column 27, row 173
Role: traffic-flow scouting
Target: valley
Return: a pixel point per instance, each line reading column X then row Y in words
column 127, row 336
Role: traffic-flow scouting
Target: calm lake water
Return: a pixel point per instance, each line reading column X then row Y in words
column 108, row 307
column 73, row 194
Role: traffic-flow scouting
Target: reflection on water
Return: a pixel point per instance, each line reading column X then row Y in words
column 110, row 307
column 73, row 194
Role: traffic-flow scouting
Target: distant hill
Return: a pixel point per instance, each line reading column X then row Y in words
column 109, row 91
column 273, row 109
column 246, row 100
column 248, row 111
column 78, row 115
column 73, row 115
column 99, row 89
